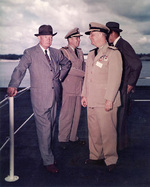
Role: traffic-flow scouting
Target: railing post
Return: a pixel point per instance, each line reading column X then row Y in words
column 11, row 177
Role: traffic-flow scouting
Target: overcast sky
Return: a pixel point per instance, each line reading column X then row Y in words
column 20, row 20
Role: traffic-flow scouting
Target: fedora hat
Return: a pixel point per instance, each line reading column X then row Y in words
column 45, row 30
column 73, row 33
column 113, row 26
column 97, row 27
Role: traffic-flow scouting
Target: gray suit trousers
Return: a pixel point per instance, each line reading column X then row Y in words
column 45, row 125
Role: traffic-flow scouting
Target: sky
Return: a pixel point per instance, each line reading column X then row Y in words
column 21, row 19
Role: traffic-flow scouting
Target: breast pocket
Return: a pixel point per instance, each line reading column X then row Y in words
column 101, row 71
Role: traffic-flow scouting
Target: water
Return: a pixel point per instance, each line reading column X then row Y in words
column 7, row 67
column 145, row 72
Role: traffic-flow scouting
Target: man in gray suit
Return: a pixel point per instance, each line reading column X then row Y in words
column 47, row 67
column 72, row 86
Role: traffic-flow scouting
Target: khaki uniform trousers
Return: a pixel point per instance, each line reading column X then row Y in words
column 69, row 118
column 102, row 134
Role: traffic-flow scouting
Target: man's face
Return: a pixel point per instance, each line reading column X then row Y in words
column 95, row 38
column 75, row 41
column 45, row 40
column 111, row 37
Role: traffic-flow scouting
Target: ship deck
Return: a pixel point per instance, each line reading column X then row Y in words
column 133, row 167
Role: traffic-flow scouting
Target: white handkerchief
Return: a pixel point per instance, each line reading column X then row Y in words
column 99, row 64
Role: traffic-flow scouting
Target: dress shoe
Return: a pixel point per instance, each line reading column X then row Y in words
column 63, row 145
column 99, row 162
column 111, row 167
column 52, row 168
column 80, row 142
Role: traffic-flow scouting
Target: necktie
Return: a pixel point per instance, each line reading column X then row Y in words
column 50, row 62
column 96, row 51
column 76, row 52
column 47, row 56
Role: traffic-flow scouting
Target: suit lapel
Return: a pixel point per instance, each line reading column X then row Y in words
column 52, row 59
column 73, row 52
column 118, row 42
column 41, row 56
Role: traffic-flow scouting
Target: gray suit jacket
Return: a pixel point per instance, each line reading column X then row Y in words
column 45, row 85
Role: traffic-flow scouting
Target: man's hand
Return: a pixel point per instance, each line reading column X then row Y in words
column 84, row 101
column 129, row 89
column 108, row 105
column 11, row 91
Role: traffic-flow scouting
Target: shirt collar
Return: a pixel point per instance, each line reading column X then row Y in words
column 116, row 40
column 48, row 51
column 71, row 47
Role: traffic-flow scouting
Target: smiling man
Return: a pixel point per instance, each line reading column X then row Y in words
column 101, row 96
column 44, row 64
column 72, row 86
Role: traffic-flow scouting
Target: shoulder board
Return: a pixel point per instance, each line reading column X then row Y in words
column 78, row 48
column 113, row 47
column 65, row 47
column 93, row 49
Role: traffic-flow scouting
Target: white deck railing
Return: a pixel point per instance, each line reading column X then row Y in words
column 11, row 177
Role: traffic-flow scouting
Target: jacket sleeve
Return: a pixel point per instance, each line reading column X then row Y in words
column 20, row 71
column 84, row 87
column 73, row 71
column 65, row 66
column 114, row 75
column 132, row 62
column 76, row 72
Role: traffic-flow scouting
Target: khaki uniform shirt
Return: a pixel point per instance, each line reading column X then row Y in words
column 103, row 77
column 72, row 85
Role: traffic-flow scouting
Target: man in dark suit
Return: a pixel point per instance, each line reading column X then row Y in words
column 47, row 67
column 131, row 71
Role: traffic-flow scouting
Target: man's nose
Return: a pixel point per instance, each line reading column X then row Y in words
column 50, row 38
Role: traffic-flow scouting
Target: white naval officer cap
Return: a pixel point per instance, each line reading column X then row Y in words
column 97, row 27
column 73, row 33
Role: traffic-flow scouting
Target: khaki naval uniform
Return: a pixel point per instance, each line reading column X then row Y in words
column 102, row 80
column 71, row 97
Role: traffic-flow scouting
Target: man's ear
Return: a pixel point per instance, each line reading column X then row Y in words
column 39, row 38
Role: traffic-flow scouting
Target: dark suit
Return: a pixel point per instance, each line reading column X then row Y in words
column 131, row 71
column 45, row 91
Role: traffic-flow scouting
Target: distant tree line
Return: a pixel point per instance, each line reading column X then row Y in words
column 16, row 57
column 142, row 55
column 10, row 57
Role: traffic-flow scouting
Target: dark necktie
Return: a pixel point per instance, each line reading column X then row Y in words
column 48, row 59
column 76, row 52
column 47, row 56
column 96, row 51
